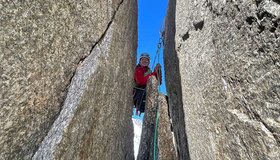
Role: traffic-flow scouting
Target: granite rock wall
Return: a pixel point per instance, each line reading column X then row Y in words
column 166, row 145
column 63, row 75
column 173, row 82
column 156, row 129
column 228, row 77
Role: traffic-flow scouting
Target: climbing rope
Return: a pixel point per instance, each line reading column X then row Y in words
column 158, row 85
column 159, row 45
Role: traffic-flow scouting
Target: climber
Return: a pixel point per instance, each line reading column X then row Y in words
column 141, row 75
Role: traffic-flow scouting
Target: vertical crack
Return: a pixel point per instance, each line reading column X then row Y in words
column 94, row 45
column 66, row 90
column 107, row 28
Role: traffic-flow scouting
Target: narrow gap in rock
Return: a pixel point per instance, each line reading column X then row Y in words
column 148, row 41
column 169, row 114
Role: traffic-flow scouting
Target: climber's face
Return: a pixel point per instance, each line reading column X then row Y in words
column 144, row 62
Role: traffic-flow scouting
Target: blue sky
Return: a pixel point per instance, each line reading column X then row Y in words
column 151, row 15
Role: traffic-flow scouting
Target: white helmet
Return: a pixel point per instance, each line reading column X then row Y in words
column 146, row 55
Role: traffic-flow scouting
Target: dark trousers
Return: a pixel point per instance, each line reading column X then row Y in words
column 139, row 99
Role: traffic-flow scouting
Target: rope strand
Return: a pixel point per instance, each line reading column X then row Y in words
column 159, row 83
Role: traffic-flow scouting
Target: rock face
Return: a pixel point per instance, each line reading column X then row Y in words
column 164, row 139
column 173, row 83
column 146, row 148
column 166, row 147
column 64, row 62
column 227, row 71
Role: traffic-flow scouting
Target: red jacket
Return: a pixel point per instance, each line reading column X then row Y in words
column 141, row 77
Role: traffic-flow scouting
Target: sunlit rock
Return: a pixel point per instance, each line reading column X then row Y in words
column 146, row 148
column 66, row 71
column 222, row 76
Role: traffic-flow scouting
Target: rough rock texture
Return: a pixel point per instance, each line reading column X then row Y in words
column 229, row 65
column 173, row 83
column 42, row 44
column 166, row 147
column 146, row 148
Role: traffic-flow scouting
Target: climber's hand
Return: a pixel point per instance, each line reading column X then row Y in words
column 157, row 68
column 158, row 71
